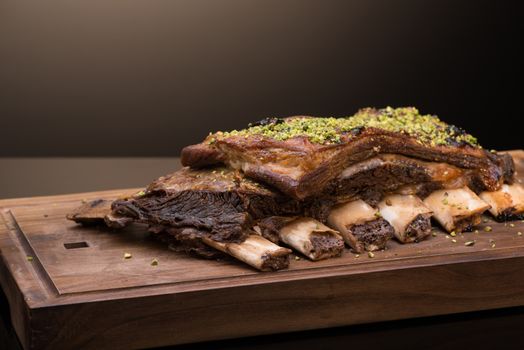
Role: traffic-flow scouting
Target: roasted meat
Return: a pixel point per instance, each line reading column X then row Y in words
column 315, row 184
column 219, row 202
column 302, row 156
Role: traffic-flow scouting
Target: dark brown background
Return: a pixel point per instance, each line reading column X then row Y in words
column 143, row 78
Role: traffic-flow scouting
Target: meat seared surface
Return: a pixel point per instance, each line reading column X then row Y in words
column 302, row 156
column 216, row 201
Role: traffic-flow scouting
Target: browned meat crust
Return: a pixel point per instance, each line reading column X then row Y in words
column 217, row 201
column 301, row 168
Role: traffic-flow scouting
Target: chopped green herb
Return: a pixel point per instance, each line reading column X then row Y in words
column 427, row 129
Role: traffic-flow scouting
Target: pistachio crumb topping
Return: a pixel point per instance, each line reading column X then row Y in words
column 427, row 129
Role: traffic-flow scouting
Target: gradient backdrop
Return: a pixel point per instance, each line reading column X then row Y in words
column 145, row 78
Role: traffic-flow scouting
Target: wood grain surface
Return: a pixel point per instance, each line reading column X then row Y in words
column 70, row 286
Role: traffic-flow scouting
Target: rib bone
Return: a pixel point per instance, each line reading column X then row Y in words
column 456, row 209
column 408, row 215
column 507, row 203
column 308, row 236
column 360, row 225
column 255, row 251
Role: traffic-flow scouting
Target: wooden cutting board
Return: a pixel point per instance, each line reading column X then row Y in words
column 69, row 286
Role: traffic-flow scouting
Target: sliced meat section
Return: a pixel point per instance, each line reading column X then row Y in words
column 456, row 210
column 306, row 235
column 372, row 178
column 302, row 156
column 408, row 215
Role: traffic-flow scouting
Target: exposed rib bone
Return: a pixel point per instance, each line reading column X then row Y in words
column 309, row 236
column 408, row 215
column 457, row 209
column 255, row 251
column 506, row 204
column 360, row 225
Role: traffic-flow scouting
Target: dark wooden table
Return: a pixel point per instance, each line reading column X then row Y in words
column 24, row 177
